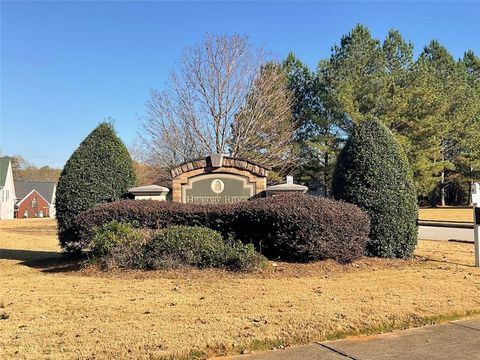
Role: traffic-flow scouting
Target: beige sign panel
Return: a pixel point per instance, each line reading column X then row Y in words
column 217, row 188
column 217, row 179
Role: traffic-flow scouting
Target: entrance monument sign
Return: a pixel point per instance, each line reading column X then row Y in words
column 217, row 179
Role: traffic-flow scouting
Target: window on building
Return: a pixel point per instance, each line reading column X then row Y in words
column 34, row 203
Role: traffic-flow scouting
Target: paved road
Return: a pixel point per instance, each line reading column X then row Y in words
column 444, row 233
column 454, row 340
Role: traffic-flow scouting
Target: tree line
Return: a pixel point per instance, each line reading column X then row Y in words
column 228, row 96
column 25, row 171
column 431, row 104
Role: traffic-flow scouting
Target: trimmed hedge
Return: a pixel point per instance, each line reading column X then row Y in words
column 290, row 227
column 99, row 171
column 373, row 172
column 302, row 228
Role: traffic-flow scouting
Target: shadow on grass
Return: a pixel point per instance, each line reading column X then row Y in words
column 449, row 262
column 46, row 261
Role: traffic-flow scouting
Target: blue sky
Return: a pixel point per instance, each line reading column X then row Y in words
column 65, row 66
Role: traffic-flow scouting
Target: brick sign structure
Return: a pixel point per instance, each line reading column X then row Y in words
column 217, row 179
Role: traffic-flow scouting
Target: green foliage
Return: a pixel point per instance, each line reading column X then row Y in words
column 99, row 171
column 178, row 246
column 242, row 257
column 354, row 75
column 319, row 131
column 117, row 244
column 373, row 173
column 431, row 105
column 120, row 245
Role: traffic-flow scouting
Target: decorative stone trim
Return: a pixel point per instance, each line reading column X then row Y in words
column 220, row 160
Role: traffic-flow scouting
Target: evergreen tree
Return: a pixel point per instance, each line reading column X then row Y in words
column 467, row 155
column 318, row 134
column 99, row 171
column 430, row 104
column 447, row 93
column 355, row 76
column 373, row 172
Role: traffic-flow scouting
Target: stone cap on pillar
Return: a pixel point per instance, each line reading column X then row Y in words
column 148, row 190
column 287, row 188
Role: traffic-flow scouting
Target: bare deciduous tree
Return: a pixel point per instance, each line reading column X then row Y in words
column 218, row 101
column 263, row 129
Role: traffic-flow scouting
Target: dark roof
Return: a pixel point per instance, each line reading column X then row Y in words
column 46, row 189
column 4, row 162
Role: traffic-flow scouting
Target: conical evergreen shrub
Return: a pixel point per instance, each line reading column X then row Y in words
column 100, row 170
column 373, row 172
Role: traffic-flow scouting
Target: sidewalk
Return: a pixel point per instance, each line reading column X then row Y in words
column 454, row 340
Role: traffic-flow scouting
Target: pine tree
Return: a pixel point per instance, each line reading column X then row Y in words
column 446, row 90
column 467, row 157
column 355, row 76
column 99, row 171
column 318, row 132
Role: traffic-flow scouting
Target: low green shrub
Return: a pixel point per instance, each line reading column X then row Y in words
column 177, row 246
column 201, row 247
column 117, row 244
column 242, row 257
column 120, row 245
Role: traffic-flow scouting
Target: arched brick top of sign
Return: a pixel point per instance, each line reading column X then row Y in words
column 215, row 161
column 218, row 164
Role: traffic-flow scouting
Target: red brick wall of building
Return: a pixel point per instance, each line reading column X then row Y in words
column 33, row 204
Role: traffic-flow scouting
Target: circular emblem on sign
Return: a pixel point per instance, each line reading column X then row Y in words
column 217, row 186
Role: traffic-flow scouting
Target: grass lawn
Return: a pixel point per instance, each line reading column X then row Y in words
column 50, row 309
column 446, row 214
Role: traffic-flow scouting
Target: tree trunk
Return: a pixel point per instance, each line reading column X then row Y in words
column 325, row 174
column 442, row 183
column 442, row 189
column 470, row 186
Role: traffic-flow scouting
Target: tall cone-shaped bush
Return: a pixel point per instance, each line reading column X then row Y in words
column 99, row 171
column 373, row 172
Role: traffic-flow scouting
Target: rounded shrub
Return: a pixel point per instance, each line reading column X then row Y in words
column 177, row 246
column 373, row 172
column 117, row 244
column 99, row 171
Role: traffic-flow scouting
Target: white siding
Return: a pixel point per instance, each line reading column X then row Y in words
column 7, row 203
column 52, row 211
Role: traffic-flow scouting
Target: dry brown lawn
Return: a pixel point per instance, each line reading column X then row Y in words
column 446, row 214
column 51, row 310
